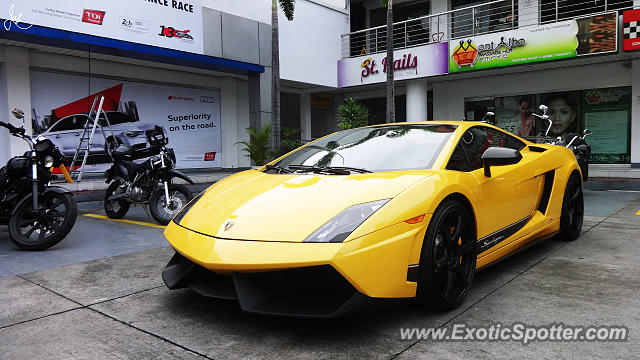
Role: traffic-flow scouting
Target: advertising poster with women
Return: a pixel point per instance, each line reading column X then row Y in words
column 190, row 117
column 605, row 112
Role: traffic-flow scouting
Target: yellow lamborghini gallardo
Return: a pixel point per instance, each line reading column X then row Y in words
column 389, row 211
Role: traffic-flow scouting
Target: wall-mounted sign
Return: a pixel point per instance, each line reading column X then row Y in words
column 631, row 30
column 565, row 39
column 411, row 63
column 172, row 24
column 322, row 101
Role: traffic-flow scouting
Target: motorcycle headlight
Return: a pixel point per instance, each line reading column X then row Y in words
column 186, row 208
column 340, row 226
column 47, row 161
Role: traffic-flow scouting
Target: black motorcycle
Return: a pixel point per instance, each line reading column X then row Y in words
column 148, row 183
column 38, row 215
column 576, row 143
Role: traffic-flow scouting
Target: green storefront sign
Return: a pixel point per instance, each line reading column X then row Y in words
column 565, row 39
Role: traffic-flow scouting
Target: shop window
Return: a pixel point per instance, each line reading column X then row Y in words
column 483, row 19
column 604, row 111
column 570, row 9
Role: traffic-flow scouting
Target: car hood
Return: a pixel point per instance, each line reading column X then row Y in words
column 133, row 126
column 287, row 208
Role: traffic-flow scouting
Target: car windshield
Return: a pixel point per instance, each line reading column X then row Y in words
column 375, row 149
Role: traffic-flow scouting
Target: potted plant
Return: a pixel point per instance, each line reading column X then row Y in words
column 352, row 114
column 257, row 147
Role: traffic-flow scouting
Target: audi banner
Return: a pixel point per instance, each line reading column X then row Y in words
column 190, row 117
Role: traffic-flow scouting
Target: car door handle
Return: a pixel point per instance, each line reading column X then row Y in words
column 57, row 136
column 76, row 134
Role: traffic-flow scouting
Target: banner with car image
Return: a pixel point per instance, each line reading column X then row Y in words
column 190, row 117
column 560, row 40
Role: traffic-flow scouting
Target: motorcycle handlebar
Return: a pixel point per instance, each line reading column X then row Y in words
column 12, row 129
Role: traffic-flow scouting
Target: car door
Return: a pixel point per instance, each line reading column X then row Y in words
column 507, row 198
column 66, row 134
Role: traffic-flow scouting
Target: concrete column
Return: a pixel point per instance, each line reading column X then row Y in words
column 229, row 123
column 417, row 100
column 635, row 113
column 528, row 12
column 305, row 117
column 440, row 24
column 17, row 93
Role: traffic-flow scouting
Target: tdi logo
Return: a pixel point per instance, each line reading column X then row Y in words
column 207, row 99
column 210, row 156
column 93, row 16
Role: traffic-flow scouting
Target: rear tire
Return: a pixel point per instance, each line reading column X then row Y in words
column 572, row 209
column 179, row 195
column 115, row 209
column 29, row 232
column 448, row 257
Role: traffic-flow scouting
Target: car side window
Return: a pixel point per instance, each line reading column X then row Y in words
column 473, row 144
column 65, row 124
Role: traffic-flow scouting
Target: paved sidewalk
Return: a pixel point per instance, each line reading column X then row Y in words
column 118, row 308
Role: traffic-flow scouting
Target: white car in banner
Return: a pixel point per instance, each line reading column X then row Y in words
column 65, row 134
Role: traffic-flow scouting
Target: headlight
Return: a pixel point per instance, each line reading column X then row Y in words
column 186, row 208
column 343, row 224
column 47, row 161
column 133, row 133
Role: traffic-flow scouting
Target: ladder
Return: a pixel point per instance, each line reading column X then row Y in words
column 83, row 149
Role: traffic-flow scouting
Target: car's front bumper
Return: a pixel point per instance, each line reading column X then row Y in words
column 302, row 279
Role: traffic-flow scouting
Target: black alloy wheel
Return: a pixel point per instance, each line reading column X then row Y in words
column 448, row 257
column 572, row 215
column 45, row 227
column 116, row 208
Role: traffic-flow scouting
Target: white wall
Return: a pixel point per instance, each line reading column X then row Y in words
column 257, row 10
column 310, row 44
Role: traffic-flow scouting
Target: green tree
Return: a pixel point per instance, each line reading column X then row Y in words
column 257, row 147
column 352, row 114
column 287, row 7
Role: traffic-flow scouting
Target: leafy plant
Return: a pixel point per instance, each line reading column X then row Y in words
column 352, row 114
column 258, row 145
column 290, row 140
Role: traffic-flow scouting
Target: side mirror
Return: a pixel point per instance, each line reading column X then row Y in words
column 586, row 133
column 496, row 156
column 19, row 114
column 543, row 108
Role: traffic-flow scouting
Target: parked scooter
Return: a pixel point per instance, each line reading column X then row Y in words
column 148, row 183
column 576, row 143
column 39, row 216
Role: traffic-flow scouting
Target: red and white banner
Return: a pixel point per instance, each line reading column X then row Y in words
column 190, row 117
column 631, row 30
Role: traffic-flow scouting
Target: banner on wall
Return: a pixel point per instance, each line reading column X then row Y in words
column 564, row 39
column 172, row 24
column 190, row 117
column 631, row 30
column 411, row 63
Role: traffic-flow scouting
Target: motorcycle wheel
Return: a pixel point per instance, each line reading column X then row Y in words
column 115, row 209
column 31, row 231
column 179, row 195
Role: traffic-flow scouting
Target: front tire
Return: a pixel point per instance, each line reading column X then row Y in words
column 179, row 195
column 57, row 215
column 572, row 215
column 448, row 257
column 115, row 209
